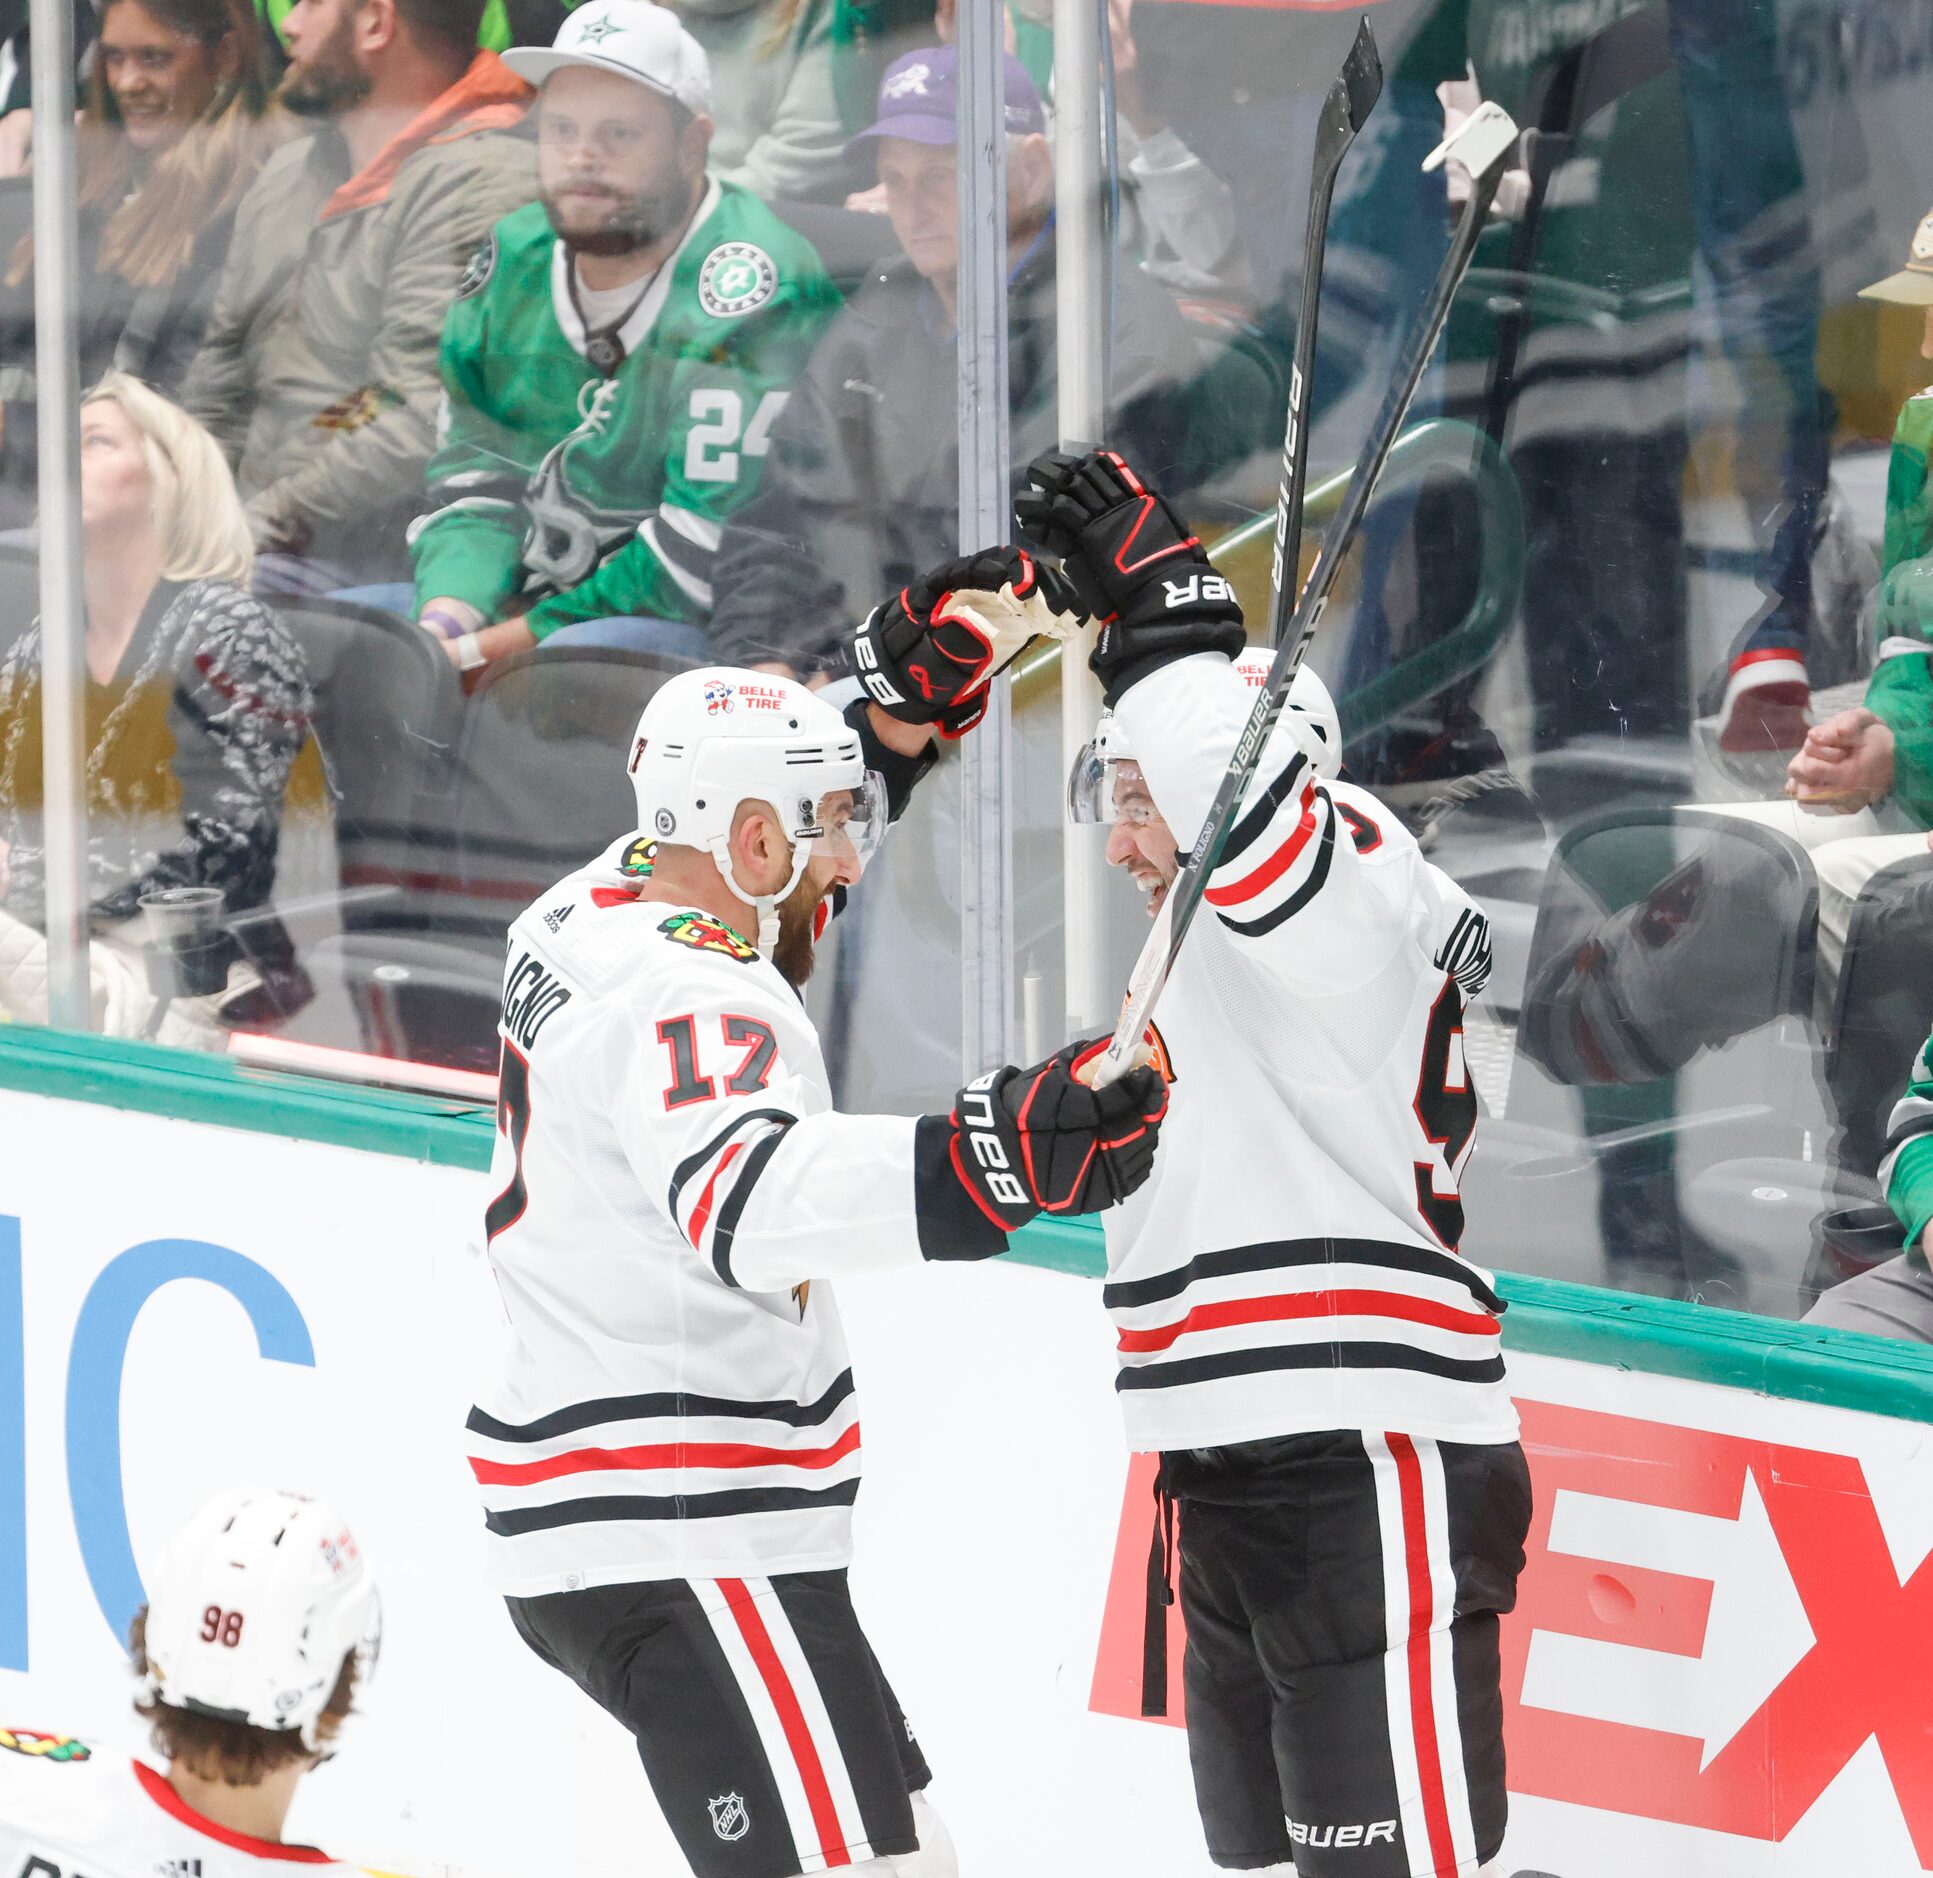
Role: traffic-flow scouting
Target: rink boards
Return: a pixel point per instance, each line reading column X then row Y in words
column 1718, row 1664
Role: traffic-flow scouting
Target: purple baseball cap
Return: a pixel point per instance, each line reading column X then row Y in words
column 920, row 95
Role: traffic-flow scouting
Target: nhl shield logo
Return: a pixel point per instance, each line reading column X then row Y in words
column 729, row 1818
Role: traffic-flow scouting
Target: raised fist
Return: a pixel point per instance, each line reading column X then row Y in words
column 927, row 655
column 1027, row 1141
column 1134, row 563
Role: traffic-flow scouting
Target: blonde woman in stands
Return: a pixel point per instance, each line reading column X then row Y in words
column 197, row 703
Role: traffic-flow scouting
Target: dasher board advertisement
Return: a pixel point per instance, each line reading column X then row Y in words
column 1716, row 1667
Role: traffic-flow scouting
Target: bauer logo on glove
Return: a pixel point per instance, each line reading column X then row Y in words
column 1136, row 565
column 1028, row 1141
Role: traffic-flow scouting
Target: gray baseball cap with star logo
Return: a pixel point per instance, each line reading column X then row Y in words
column 633, row 38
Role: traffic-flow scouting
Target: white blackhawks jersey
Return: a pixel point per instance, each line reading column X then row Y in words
column 72, row 1810
column 672, row 1192
column 1292, row 1265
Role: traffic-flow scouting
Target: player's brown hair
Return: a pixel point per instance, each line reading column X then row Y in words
column 231, row 1751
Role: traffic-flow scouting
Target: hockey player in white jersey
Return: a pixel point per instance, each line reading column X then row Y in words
column 670, row 1454
column 260, row 1628
column 1299, row 1337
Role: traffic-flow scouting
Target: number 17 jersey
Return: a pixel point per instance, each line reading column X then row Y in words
column 1294, row 1265
column 672, row 1189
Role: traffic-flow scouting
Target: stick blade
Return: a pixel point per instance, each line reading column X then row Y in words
column 1361, row 78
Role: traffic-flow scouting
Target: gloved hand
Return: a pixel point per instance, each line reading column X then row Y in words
column 1132, row 561
column 927, row 655
column 1027, row 1141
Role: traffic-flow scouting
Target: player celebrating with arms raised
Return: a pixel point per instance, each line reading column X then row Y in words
column 670, row 1458
column 1299, row 1339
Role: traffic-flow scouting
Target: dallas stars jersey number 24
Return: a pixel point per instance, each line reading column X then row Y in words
column 583, row 475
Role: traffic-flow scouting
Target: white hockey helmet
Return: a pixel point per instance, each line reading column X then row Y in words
column 255, row 1606
column 716, row 737
column 1310, row 717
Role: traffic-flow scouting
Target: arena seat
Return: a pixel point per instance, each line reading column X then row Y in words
column 536, row 788
column 387, row 708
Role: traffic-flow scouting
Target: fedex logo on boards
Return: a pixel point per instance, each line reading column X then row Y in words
column 1710, row 1631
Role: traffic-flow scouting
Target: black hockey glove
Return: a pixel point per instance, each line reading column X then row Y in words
column 1134, row 563
column 1025, row 1141
column 923, row 661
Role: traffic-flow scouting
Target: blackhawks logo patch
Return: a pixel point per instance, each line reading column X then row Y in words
column 638, row 857
column 708, row 935
column 44, row 1747
column 738, row 277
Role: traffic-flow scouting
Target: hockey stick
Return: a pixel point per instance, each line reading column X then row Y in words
column 1484, row 144
column 1351, row 99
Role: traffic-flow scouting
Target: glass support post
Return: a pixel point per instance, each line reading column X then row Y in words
column 986, row 754
column 1080, row 310
column 62, row 620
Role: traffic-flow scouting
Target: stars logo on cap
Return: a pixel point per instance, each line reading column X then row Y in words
column 599, row 29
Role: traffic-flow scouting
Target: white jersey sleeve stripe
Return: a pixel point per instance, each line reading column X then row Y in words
column 1304, row 874
column 1257, row 817
column 732, row 1208
column 711, row 1187
column 1246, row 887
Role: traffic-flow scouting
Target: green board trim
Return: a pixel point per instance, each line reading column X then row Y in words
column 121, row 1074
column 1662, row 1336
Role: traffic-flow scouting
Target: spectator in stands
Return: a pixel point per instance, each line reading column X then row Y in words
column 862, row 489
column 197, row 702
column 318, row 374
column 176, row 126
column 776, row 120
column 1884, row 748
column 1859, row 793
column 1895, row 1299
column 1181, row 214
column 1178, row 216
column 615, row 359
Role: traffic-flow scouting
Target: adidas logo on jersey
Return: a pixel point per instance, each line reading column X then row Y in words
column 177, row 1868
column 557, row 915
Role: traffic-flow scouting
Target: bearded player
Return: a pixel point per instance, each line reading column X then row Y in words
column 261, row 1627
column 1299, row 1338
column 670, row 1456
